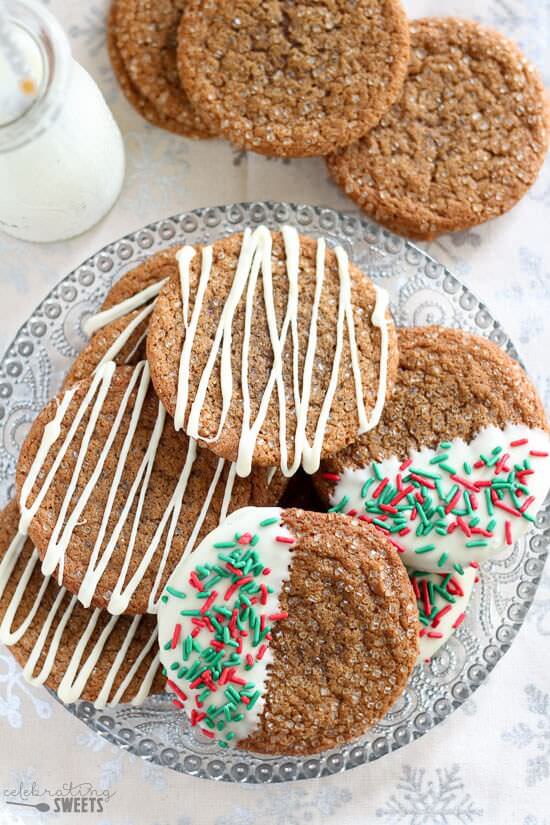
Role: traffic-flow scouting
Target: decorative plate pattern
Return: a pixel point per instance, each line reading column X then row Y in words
column 422, row 291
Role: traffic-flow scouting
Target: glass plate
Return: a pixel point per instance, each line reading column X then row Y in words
column 422, row 291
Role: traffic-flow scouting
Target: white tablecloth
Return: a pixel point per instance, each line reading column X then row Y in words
column 490, row 761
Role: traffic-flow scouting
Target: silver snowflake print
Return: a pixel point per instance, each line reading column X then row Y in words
column 534, row 737
column 287, row 806
column 428, row 798
column 91, row 30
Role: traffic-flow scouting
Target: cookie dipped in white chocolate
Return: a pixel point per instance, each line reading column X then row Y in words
column 445, row 508
column 442, row 601
column 215, row 619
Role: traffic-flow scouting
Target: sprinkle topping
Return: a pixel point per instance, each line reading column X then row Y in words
column 456, row 504
column 216, row 626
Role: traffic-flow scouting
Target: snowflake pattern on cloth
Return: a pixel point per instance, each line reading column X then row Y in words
column 534, row 737
column 430, row 798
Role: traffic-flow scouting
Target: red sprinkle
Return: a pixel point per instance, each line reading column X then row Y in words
column 434, row 634
column 426, row 482
column 439, row 615
column 331, row 476
column 208, row 733
column 453, row 502
column 519, row 442
column 380, row 487
column 406, row 464
column 235, row 586
column 464, row 483
column 176, row 635
column 209, row 602
column 526, row 503
column 266, row 571
column 246, row 538
column 195, row 582
column 285, row 539
column 458, row 621
column 249, row 659
column 508, row 532
column 179, row 693
column 178, row 704
column 276, row 617
column 261, row 652
column 512, row 510
column 538, row 453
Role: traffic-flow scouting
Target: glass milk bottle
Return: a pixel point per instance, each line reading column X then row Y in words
column 61, row 152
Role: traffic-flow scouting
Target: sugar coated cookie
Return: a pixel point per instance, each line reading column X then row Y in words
column 271, row 349
column 141, row 40
column 113, row 497
column 463, row 143
column 287, row 631
column 118, row 331
column 442, row 600
column 292, row 78
column 79, row 653
column 459, row 464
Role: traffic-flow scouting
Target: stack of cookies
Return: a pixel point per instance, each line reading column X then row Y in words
column 430, row 127
column 147, row 546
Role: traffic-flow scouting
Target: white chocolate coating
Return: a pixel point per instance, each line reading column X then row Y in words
column 472, row 529
column 245, row 530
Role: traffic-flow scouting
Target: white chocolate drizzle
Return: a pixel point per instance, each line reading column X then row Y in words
column 80, row 668
column 70, row 512
column 255, row 263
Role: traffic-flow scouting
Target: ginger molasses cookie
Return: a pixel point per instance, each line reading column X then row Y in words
column 144, row 64
column 442, row 600
column 121, row 340
column 463, row 143
column 119, row 330
column 292, row 78
column 272, row 349
column 113, row 497
column 459, row 464
column 81, row 654
column 288, row 632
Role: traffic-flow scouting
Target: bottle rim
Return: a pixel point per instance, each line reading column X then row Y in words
column 37, row 21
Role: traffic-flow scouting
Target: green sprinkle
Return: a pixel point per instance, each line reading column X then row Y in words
column 164, row 599
column 437, row 459
column 177, row 593
column 340, row 506
column 168, row 645
column 445, row 445
column 423, row 473
column 223, row 744
column 190, row 613
column 467, row 468
column 442, row 559
column 365, row 487
column 267, row 521
column 222, row 545
column 427, row 548
column 230, row 735
column 174, row 665
column 477, row 543
column 489, row 502
column 459, row 569
column 376, row 471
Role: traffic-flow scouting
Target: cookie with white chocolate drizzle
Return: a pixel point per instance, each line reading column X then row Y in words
column 113, row 497
column 119, row 330
column 271, row 349
column 288, row 631
column 460, row 462
column 82, row 654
